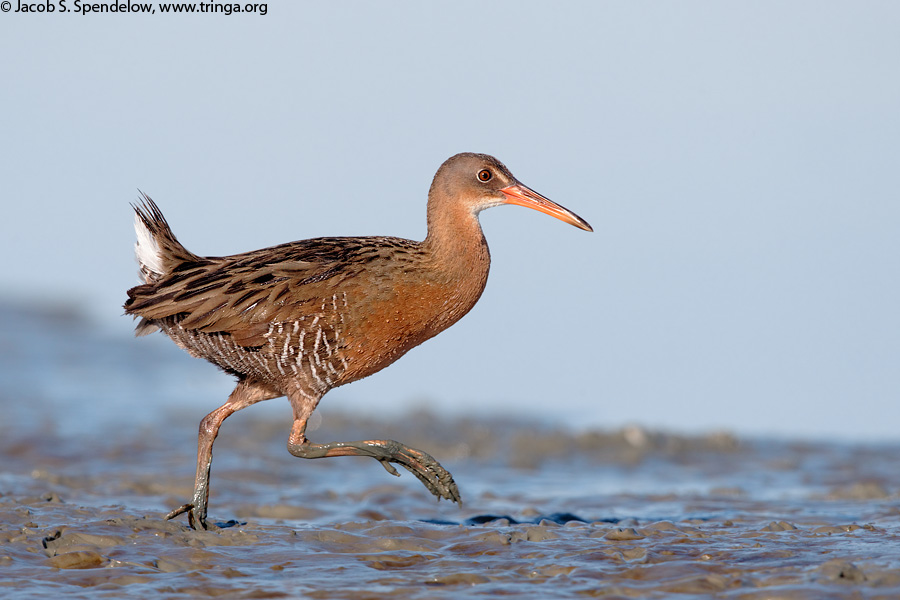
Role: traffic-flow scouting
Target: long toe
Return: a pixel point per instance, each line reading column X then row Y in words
column 433, row 476
column 179, row 511
column 195, row 520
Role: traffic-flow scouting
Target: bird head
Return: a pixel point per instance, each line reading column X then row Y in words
column 480, row 181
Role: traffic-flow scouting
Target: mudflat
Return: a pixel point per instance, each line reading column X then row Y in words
column 96, row 446
column 547, row 513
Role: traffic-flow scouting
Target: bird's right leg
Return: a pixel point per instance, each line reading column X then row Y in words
column 245, row 394
column 436, row 478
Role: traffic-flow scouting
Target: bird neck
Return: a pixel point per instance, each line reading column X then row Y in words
column 455, row 242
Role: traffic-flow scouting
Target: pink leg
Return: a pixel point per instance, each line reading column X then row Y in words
column 245, row 394
column 436, row 478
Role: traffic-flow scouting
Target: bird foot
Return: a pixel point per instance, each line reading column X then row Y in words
column 437, row 479
column 196, row 520
column 433, row 476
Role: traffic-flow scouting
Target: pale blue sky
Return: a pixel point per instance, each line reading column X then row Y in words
column 739, row 163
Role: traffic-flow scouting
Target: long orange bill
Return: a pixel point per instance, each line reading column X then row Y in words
column 523, row 195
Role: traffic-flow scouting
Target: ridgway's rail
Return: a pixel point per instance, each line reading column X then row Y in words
column 302, row 318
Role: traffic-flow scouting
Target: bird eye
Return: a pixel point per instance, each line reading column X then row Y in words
column 485, row 175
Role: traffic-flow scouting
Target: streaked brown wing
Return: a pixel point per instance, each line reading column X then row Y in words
column 244, row 294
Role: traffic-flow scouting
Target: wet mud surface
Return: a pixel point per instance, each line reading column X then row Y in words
column 94, row 453
column 546, row 514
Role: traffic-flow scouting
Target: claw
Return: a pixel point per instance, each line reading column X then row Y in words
column 388, row 467
column 433, row 476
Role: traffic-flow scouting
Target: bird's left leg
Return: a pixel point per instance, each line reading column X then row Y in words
column 436, row 478
column 245, row 394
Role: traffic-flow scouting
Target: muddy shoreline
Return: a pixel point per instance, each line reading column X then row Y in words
column 547, row 513
column 95, row 451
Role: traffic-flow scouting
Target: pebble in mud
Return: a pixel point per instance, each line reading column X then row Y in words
column 842, row 571
column 623, row 534
column 78, row 559
column 779, row 526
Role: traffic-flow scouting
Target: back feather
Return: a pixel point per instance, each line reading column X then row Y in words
column 244, row 295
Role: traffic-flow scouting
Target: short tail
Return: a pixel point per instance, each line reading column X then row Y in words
column 157, row 249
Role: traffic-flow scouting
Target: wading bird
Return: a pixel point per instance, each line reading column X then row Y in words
column 302, row 318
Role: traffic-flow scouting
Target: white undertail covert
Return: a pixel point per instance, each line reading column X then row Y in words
column 147, row 252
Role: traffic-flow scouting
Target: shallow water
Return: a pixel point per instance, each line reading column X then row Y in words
column 95, row 451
